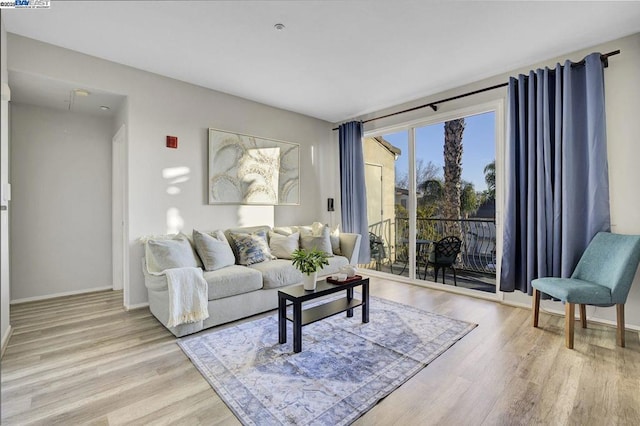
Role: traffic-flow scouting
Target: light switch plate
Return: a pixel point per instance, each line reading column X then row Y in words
column 5, row 193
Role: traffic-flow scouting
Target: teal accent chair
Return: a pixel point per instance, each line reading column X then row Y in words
column 603, row 277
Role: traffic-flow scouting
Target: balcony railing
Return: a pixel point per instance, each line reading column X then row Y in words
column 388, row 241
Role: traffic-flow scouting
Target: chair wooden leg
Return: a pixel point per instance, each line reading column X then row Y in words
column 583, row 315
column 455, row 279
column 620, row 331
column 535, row 307
column 569, row 321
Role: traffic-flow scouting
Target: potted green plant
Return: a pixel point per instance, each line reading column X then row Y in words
column 308, row 262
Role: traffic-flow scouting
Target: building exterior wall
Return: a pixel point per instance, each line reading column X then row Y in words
column 375, row 153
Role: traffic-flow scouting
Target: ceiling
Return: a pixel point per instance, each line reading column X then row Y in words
column 335, row 59
column 38, row 90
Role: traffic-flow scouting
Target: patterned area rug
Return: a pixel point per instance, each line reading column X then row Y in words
column 344, row 369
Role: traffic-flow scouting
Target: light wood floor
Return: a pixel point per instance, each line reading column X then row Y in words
column 84, row 360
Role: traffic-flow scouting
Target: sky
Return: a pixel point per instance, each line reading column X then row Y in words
column 478, row 142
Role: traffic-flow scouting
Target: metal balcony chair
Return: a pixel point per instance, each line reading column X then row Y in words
column 401, row 258
column 377, row 248
column 443, row 255
column 603, row 277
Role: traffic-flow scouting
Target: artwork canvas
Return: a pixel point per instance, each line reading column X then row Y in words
column 247, row 169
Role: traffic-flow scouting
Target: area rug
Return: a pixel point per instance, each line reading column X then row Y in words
column 344, row 369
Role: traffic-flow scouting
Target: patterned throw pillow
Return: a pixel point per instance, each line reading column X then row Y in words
column 252, row 248
column 214, row 249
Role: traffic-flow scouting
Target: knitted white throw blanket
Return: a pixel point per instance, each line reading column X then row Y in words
column 187, row 296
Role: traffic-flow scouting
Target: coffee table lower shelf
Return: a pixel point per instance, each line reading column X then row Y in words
column 326, row 310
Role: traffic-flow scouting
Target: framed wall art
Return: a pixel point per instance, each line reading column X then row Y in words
column 246, row 169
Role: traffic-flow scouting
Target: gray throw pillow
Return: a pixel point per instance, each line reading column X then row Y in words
column 214, row 249
column 169, row 253
column 321, row 242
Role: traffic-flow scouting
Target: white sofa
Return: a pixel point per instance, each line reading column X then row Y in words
column 237, row 291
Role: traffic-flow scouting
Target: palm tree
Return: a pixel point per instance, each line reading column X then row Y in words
column 453, row 131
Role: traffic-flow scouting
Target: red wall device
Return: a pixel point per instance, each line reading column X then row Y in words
column 172, row 142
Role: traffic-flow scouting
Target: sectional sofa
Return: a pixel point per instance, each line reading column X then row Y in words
column 237, row 291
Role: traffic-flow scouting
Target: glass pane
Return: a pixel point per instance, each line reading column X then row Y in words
column 455, row 215
column 386, row 175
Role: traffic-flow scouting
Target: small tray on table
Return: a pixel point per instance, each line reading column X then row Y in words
column 348, row 280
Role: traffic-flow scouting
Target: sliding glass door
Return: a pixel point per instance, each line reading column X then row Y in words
column 431, row 194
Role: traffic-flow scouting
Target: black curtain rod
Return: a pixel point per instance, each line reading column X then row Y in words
column 434, row 105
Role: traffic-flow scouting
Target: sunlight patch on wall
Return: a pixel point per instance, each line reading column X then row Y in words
column 175, row 176
column 174, row 172
column 180, row 179
column 255, row 215
column 175, row 222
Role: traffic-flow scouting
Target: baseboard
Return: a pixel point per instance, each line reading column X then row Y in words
column 494, row 297
column 66, row 293
column 560, row 313
column 136, row 306
column 516, row 304
column 5, row 340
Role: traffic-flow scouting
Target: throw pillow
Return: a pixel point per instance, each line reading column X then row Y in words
column 283, row 246
column 213, row 249
column 285, row 230
column 321, row 242
column 317, row 228
column 334, row 236
column 305, row 230
column 167, row 253
column 252, row 248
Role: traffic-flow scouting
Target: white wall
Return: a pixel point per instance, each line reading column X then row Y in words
column 159, row 106
column 61, row 204
column 623, row 128
column 4, row 179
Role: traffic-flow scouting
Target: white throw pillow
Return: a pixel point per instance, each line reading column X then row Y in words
column 317, row 228
column 285, row 230
column 214, row 249
column 283, row 246
column 305, row 230
column 321, row 242
column 334, row 236
column 170, row 252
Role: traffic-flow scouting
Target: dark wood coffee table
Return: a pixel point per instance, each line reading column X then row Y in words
column 300, row 317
